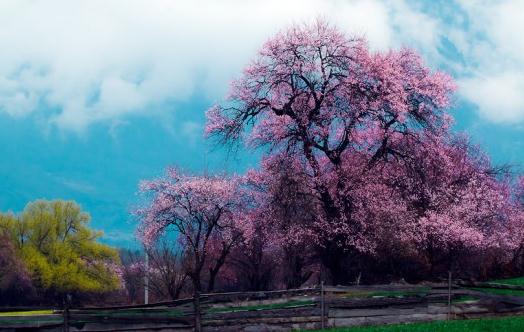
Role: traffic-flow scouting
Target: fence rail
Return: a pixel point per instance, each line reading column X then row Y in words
column 314, row 307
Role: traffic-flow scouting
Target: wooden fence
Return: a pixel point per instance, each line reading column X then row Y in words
column 308, row 308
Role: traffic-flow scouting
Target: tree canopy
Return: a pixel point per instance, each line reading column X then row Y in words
column 359, row 163
column 60, row 251
column 360, row 149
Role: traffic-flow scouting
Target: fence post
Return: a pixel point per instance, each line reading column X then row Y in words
column 146, row 279
column 66, row 312
column 197, row 311
column 322, row 305
column 449, row 294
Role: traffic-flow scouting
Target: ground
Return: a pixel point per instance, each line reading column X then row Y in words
column 506, row 324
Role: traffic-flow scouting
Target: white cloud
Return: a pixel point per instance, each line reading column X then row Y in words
column 75, row 185
column 192, row 131
column 493, row 77
column 100, row 60
column 500, row 97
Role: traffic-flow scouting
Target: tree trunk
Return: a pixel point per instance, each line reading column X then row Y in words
column 196, row 305
column 213, row 272
column 212, row 278
column 333, row 258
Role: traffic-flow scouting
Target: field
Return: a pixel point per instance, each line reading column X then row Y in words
column 389, row 308
column 512, row 281
column 26, row 313
column 510, row 292
column 506, row 324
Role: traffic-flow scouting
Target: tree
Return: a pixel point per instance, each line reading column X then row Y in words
column 253, row 263
column 15, row 283
column 204, row 213
column 516, row 232
column 285, row 210
column 167, row 277
column 133, row 272
column 165, row 272
column 325, row 99
column 520, row 190
column 59, row 249
column 455, row 200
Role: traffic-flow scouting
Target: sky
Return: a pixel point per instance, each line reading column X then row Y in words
column 96, row 95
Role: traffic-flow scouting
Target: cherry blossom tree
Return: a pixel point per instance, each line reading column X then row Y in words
column 254, row 264
column 203, row 212
column 15, row 281
column 516, row 232
column 456, row 199
column 167, row 278
column 284, row 216
column 291, row 208
column 327, row 100
column 520, row 190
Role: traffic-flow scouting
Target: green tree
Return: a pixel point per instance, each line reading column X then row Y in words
column 60, row 251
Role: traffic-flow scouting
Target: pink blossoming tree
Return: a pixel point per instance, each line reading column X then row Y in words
column 203, row 212
column 455, row 200
column 516, row 233
column 325, row 99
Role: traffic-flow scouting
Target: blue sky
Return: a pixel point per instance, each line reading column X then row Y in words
column 96, row 95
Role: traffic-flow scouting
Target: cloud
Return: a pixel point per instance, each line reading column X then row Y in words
column 500, row 97
column 192, row 130
column 83, row 62
column 92, row 61
column 120, row 238
column 493, row 76
column 78, row 186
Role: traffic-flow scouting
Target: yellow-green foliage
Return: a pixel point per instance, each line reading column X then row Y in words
column 59, row 249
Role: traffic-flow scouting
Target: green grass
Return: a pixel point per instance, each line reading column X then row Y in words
column 512, row 281
column 140, row 313
column 24, row 317
column 506, row 324
column 418, row 292
column 271, row 306
column 400, row 293
column 512, row 292
column 464, row 298
column 26, row 313
column 497, row 291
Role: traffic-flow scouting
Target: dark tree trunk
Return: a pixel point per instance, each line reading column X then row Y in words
column 212, row 277
column 296, row 261
column 174, row 291
column 213, row 272
column 334, row 259
column 196, row 305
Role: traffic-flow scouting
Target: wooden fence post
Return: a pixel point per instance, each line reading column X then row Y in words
column 449, row 294
column 322, row 305
column 66, row 312
column 197, row 311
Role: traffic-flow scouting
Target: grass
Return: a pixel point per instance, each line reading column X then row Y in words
column 400, row 293
column 512, row 281
column 497, row 291
column 24, row 317
column 289, row 304
column 418, row 292
column 26, row 313
column 506, row 324
column 140, row 312
column 464, row 298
